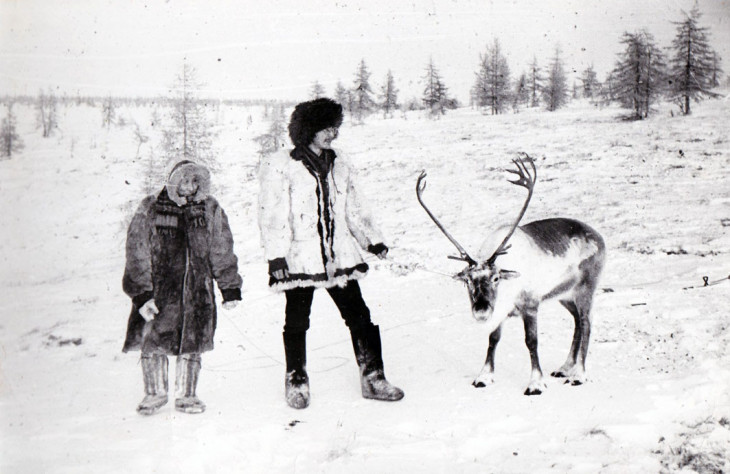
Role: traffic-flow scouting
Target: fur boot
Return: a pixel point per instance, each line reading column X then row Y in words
column 368, row 351
column 186, row 382
column 154, row 373
column 296, row 382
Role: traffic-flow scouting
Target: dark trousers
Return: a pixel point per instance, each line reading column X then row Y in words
column 348, row 300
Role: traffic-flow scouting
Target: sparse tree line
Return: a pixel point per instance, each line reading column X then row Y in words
column 643, row 74
column 186, row 131
column 687, row 71
column 495, row 92
column 65, row 100
column 360, row 100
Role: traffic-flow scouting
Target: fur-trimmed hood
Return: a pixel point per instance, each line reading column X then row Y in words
column 186, row 168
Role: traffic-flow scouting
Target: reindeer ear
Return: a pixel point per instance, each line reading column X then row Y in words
column 461, row 276
column 508, row 274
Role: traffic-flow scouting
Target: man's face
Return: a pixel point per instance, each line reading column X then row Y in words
column 323, row 139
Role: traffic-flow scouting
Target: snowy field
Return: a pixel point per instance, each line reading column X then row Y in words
column 658, row 395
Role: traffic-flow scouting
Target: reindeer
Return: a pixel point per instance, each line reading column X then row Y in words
column 545, row 259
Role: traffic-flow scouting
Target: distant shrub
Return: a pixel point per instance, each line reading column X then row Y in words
column 10, row 141
column 275, row 137
column 46, row 115
column 108, row 112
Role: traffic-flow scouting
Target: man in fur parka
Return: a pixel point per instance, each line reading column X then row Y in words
column 178, row 242
column 313, row 225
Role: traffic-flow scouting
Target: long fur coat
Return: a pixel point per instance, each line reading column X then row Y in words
column 293, row 227
column 174, row 252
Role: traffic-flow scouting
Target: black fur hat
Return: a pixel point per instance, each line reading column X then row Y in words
column 310, row 117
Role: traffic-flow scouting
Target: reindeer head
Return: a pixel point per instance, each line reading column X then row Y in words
column 483, row 279
column 482, row 283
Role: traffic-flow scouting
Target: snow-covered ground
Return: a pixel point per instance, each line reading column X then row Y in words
column 658, row 396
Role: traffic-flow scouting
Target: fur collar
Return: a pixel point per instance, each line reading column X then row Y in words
column 321, row 164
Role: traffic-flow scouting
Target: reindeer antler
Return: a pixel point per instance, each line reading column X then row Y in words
column 527, row 181
column 420, row 186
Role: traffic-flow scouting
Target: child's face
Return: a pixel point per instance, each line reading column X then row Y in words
column 188, row 186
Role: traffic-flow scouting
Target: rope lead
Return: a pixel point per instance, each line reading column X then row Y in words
column 706, row 282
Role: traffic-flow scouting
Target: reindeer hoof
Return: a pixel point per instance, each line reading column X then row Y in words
column 483, row 379
column 536, row 387
column 558, row 374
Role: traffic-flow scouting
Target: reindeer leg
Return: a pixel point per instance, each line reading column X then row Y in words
column 567, row 368
column 486, row 376
column 537, row 385
column 583, row 302
column 574, row 367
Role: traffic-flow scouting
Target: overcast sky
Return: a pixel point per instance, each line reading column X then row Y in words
column 277, row 49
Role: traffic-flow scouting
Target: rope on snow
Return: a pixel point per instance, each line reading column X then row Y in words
column 415, row 266
column 707, row 282
column 705, row 279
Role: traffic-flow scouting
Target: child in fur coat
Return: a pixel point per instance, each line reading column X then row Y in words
column 178, row 242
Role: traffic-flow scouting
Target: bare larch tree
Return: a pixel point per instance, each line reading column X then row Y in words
column 275, row 137
column 492, row 87
column 316, row 91
column 343, row 96
column 388, row 96
column 693, row 65
column 108, row 112
column 362, row 102
column 555, row 91
column 535, row 80
column 191, row 134
column 521, row 93
column 591, row 86
column 46, row 115
column 10, row 141
column 639, row 75
column 435, row 93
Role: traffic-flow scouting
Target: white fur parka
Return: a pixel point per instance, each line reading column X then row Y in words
column 290, row 209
